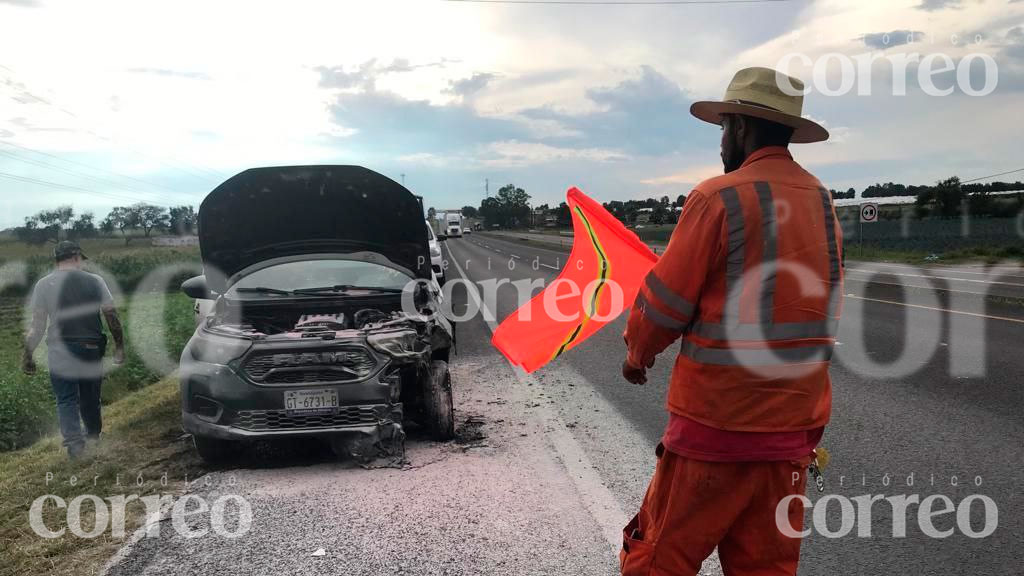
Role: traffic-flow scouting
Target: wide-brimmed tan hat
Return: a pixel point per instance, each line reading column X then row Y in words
column 759, row 92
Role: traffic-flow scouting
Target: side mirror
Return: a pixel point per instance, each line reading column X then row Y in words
column 442, row 237
column 195, row 287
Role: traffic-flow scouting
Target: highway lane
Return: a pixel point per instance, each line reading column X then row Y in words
column 926, row 382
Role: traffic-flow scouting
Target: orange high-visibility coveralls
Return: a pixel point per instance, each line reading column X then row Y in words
column 751, row 281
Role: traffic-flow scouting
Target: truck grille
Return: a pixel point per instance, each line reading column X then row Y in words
column 262, row 420
column 309, row 367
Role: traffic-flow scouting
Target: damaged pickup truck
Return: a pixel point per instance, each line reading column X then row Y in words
column 324, row 322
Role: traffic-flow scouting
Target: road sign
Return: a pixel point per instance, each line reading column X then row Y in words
column 869, row 212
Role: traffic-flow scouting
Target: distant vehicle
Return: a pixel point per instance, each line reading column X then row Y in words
column 436, row 260
column 467, row 230
column 438, row 227
column 454, row 225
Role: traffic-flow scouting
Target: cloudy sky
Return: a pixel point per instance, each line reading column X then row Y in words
column 107, row 103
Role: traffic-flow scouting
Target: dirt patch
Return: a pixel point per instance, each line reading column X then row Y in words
column 470, row 431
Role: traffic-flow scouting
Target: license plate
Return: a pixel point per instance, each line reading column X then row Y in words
column 311, row 401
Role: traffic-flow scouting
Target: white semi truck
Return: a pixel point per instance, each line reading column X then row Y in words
column 453, row 225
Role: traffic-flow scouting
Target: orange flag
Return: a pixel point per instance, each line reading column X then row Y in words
column 599, row 280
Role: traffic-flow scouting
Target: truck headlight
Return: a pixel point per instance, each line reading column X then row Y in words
column 213, row 349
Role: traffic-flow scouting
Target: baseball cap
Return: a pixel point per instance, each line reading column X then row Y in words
column 66, row 249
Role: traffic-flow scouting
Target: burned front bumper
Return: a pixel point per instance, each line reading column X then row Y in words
column 220, row 401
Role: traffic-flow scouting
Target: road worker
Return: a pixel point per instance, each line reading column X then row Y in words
column 751, row 282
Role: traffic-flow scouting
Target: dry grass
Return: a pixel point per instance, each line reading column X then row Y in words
column 142, row 436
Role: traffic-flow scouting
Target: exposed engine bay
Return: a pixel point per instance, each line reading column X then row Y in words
column 295, row 321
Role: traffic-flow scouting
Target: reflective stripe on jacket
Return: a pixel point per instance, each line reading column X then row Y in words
column 752, row 282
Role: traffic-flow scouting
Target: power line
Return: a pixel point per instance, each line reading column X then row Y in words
column 72, row 173
column 194, row 171
column 992, row 176
column 617, row 2
column 83, row 165
column 59, row 186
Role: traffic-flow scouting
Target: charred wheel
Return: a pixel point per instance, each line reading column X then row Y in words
column 438, row 413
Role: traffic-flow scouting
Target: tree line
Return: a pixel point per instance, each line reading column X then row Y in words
column 510, row 208
column 892, row 189
column 62, row 223
column 948, row 198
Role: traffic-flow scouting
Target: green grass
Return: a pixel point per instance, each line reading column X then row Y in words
column 26, row 402
column 977, row 254
column 123, row 265
column 93, row 247
column 142, row 422
column 985, row 254
column 142, row 435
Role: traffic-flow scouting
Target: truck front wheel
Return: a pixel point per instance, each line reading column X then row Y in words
column 439, row 415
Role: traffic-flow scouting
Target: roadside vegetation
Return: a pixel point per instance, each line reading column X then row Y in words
column 27, row 405
column 142, row 438
column 26, row 402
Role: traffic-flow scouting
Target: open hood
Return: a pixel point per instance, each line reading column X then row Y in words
column 265, row 213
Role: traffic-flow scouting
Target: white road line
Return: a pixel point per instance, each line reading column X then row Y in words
column 1004, row 318
column 599, row 500
column 881, row 272
column 935, row 288
column 534, row 246
column 992, row 272
column 515, row 256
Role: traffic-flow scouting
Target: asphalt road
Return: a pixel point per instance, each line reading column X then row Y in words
column 548, row 467
column 927, row 382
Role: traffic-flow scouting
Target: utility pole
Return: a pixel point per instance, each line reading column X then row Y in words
column 403, row 179
column 487, row 187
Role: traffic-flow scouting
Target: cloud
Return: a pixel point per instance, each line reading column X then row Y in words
column 883, row 40
column 390, row 124
column 365, row 75
column 513, row 153
column 643, row 115
column 339, row 77
column 22, row 3
column 933, row 5
column 26, row 125
column 647, row 115
column 403, row 65
column 689, row 177
column 467, row 87
column 171, row 73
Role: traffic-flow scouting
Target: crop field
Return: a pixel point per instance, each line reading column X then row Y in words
column 160, row 318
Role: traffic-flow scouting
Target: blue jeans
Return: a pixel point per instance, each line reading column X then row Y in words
column 76, row 375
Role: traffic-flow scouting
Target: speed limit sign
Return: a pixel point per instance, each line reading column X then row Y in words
column 869, row 212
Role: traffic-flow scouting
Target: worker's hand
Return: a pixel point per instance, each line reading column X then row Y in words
column 119, row 355
column 28, row 365
column 635, row 375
